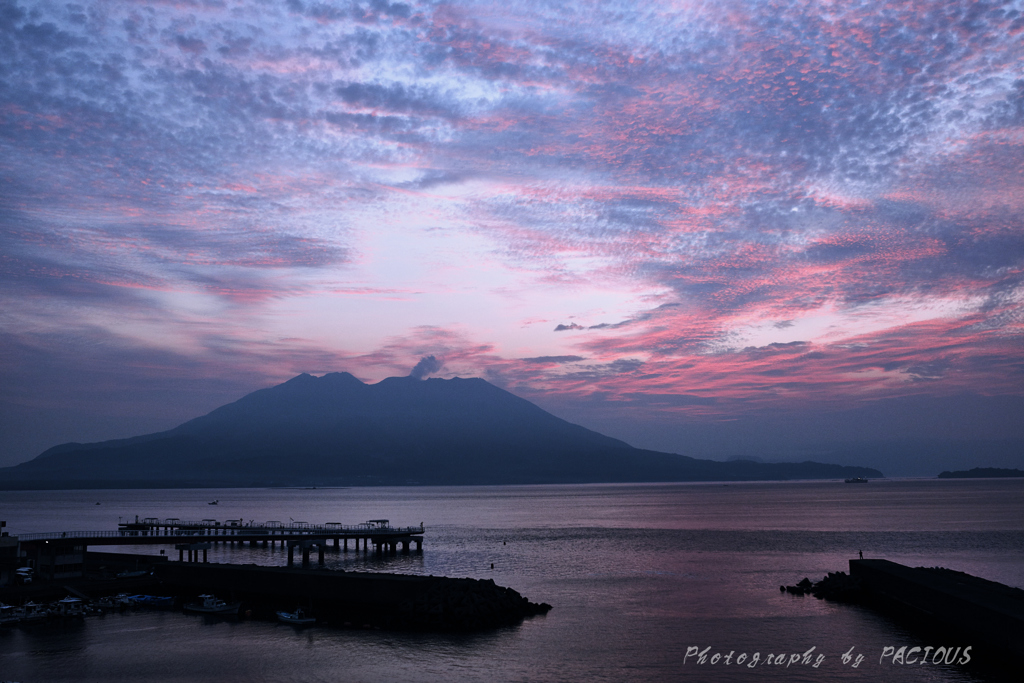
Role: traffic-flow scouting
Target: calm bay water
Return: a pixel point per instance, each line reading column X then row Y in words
column 636, row 573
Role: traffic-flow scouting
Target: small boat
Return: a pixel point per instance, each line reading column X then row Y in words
column 296, row 618
column 134, row 574
column 71, row 607
column 153, row 601
column 212, row 605
column 857, row 480
column 33, row 612
column 214, row 502
column 9, row 614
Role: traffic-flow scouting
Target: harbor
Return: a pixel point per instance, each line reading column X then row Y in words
column 624, row 567
column 57, row 563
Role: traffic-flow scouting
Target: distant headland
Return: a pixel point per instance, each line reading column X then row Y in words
column 338, row 431
column 981, row 473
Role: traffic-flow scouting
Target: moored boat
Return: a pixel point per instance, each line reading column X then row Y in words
column 153, row 601
column 70, row 607
column 33, row 612
column 296, row 618
column 9, row 614
column 212, row 605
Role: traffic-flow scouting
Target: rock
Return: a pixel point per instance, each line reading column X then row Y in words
column 466, row 604
column 837, row 587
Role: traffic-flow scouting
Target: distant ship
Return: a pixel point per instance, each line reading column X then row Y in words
column 857, row 480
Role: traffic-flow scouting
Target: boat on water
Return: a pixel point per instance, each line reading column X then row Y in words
column 33, row 612
column 134, row 574
column 212, row 605
column 857, row 480
column 9, row 614
column 71, row 607
column 152, row 601
column 296, row 618
column 214, row 502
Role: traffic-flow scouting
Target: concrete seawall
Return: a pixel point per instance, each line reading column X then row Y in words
column 979, row 609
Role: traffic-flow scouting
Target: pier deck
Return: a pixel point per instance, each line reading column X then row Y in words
column 62, row 554
column 152, row 531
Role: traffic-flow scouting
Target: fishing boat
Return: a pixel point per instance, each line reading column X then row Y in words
column 857, row 480
column 71, row 607
column 33, row 612
column 296, row 618
column 212, row 605
column 153, row 601
column 9, row 614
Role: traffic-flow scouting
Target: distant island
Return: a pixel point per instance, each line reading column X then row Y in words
column 338, row 431
column 981, row 473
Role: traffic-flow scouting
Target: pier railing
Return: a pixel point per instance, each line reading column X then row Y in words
column 231, row 524
column 309, row 530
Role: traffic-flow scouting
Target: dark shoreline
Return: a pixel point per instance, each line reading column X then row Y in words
column 983, row 473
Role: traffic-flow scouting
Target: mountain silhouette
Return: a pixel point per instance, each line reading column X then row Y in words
column 336, row 430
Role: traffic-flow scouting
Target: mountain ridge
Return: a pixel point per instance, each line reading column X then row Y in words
column 337, row 430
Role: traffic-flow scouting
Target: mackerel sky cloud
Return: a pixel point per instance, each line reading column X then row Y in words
column 661, row 220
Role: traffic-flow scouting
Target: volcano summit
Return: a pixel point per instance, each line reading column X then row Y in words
column 335, row 430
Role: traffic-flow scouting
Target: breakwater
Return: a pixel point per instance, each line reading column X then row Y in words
column 989, row 614
column 340, row 598
column 988, row 611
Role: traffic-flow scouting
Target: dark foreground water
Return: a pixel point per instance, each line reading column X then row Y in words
column 637, row 574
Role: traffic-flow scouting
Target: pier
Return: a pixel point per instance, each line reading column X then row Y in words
column 63, row 554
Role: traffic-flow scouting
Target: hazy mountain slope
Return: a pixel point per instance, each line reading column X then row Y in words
column 336, row 430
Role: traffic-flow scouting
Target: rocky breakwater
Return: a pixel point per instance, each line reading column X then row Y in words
column 356, row 599
column 465, row 604
column 837, row 587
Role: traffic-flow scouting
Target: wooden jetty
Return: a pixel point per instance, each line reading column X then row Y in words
column 63, row 554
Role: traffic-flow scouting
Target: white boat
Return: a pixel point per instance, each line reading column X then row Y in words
column 71, row 607
column 33, row 612
column 212, row 605
column 9, row 614
column 296, row 618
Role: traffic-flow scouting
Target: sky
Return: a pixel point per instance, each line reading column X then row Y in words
column 724, row 228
